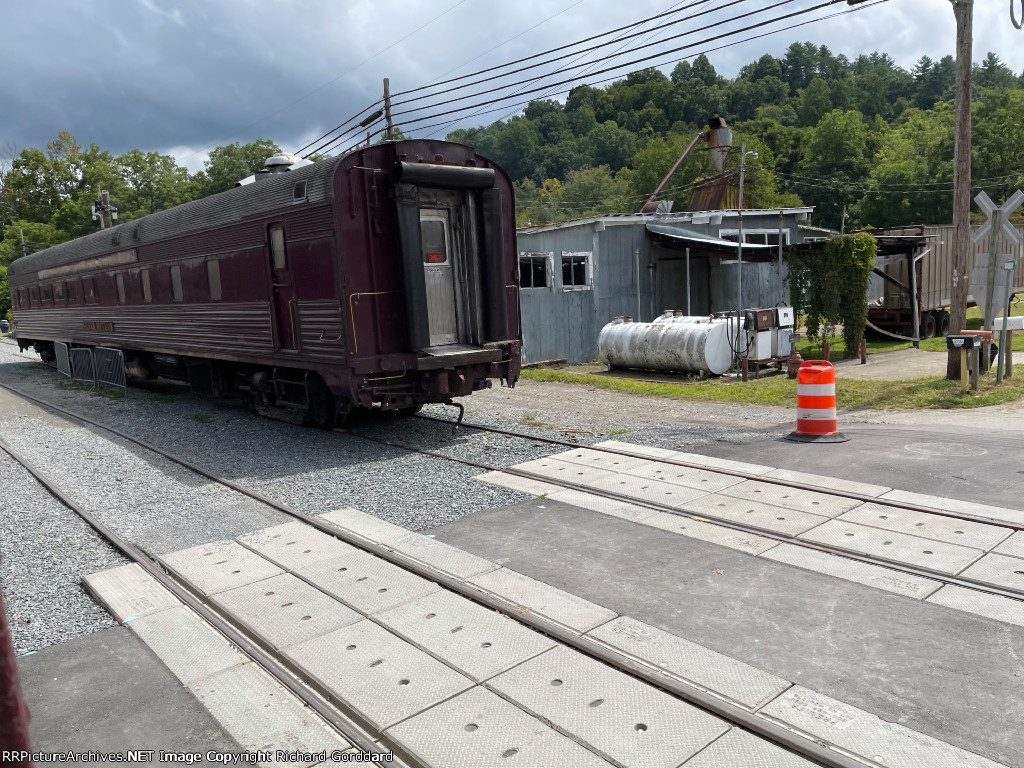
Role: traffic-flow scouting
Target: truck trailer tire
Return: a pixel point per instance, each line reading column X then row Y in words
column 928, row 326
column 943, row 322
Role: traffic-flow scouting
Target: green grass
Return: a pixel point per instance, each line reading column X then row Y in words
column 202, row 418
column 812, row 349
column 110, row 394
column 935, row 392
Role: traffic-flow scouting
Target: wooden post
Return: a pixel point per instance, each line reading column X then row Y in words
column 1009, row 354
column 964, row 383
column 863, row 351
column 964, row 12
column 826, row 350
column 389, row 134
column 975, row 368
column 744, row 365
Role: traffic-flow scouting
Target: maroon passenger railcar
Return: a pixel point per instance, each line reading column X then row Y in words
column 387, row 277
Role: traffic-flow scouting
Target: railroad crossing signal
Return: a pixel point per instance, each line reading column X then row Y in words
column 991, row 282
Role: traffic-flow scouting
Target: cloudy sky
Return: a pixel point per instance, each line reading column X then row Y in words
column 182, row 76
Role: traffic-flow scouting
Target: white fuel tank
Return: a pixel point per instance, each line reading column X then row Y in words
column 670, row 343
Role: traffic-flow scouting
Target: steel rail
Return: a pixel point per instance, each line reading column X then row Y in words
column 849, row 554
column 862, row 497
column 250, row 649
column 831, row 549
column 806, row 746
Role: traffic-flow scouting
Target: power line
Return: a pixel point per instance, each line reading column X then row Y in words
column 638, row 48
column 672, row 61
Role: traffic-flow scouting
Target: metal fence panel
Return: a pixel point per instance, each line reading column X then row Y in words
column 109, row 367
column 60, row 351
column 81, row 365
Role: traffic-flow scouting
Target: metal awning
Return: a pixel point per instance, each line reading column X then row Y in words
column 680, row 237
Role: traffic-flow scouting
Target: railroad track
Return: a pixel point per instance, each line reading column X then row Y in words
column 319, row 701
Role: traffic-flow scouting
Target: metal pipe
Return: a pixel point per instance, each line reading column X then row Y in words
column 673, row 169
column 688, row 282
column 739, row 251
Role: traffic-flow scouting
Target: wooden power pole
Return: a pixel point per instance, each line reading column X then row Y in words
column 964, row 12
column 389, row 132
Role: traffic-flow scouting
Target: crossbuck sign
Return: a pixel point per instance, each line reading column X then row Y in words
column 992, row 282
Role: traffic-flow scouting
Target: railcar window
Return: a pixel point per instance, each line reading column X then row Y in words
column 60, row 292
column 147, row 292
column 47, row 295
column 277, row 248
column 213, row 272
column 89, row 285
column 299, row 193
column 119, row 278
column 533, row 272
column 176, row 282
column 435, row 245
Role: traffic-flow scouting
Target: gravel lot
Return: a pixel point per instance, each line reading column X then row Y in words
column 162, row 507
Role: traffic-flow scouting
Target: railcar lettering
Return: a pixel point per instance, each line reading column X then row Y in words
column 92, row 325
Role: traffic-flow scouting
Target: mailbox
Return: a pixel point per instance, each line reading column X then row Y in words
column 963, row 341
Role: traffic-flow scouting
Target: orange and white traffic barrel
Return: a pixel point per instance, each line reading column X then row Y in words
column 816, row 404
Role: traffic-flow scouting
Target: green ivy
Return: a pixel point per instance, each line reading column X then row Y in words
column 828, row 286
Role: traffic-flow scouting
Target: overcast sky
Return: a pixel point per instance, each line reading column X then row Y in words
column 181, row 76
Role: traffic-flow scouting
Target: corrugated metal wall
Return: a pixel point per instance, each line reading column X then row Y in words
column 630, row 276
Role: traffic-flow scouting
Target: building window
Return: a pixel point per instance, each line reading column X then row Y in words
column 119, row 279
column 147, row 291
column 176, row 282
column 533, row 270
column 213, row 273
column 576, row 270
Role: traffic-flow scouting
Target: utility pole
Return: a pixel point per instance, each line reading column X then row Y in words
column 103, row 210
column 963, row 10
column 21, row 239
column 389, row 133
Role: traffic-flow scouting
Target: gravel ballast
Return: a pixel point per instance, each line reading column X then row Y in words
column 161, row 506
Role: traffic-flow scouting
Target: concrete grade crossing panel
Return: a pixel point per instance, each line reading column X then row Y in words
column 366, row 583
column 870, row 575
column 516, row 483
column 948, row 529
column 368, row 526
column 189, row 647
column 284, row 610
column 219, row 566
column 1004, row 609
column 739, row 749
column 128, row 592
column 700, row 479
column 714, row 534
column 644, row 489
column 754, row 513
column 294, row 545
column 811, row 502
column 723, row 675
column 563, row 471
column 713, row 462
column 467, row 636
column 913, row 550
column 613, row 462
column 864, row 734
column 621, row 718
column 261, row 715
column 611, row 507
column 954, row 505
column 530, row 595
column 1003, row 570
column 1013, row 546
column 375, row 674
column 637, row 449
column 479, row 729
column 831, row 483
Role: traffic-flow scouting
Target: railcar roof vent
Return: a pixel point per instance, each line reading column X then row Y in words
column 277, row 163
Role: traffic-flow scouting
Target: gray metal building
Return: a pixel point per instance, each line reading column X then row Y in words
column 577, row 275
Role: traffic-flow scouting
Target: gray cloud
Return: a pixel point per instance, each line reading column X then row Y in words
column 182, row 76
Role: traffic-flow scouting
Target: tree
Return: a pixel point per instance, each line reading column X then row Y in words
column 37, row 237
column 837, row 158
column 813, row 102
column 230, row 163
column 993, row 73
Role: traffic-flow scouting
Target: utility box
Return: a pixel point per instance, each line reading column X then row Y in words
column 760, row 319
column 785, row 317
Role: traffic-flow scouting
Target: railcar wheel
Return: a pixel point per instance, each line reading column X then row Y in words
column 412, row 410
column 321, row 411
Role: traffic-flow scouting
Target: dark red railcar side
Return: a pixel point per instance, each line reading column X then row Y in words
column 386, row 276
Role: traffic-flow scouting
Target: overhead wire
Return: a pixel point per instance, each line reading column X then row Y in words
column 854, row 9
column 345, row 134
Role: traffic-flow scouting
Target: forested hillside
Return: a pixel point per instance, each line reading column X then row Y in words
column 864, row 136
column 830, row 132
